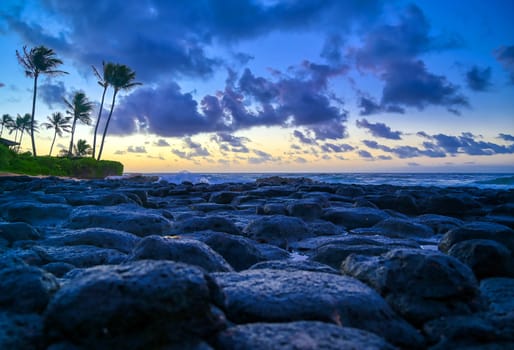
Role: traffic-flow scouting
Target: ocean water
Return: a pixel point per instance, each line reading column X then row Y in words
column 481, row 180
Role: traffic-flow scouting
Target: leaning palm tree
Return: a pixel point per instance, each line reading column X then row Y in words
column 22, row 124
column 121, row 79
column 103, row 80
column 82, row 148
column 59, row 123
column 80, row 109
column 36, row 61
column 7, row 121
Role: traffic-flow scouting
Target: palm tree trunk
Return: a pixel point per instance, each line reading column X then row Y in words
column 52, row 146
column 98, row 121
column 2, row 131
column 107, row 125
column 72, row 134
column 19, row 145
column 32, row 117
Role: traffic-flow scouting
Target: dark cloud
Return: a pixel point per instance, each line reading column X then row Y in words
column 2, row 85
column 300, row 160
column 303, row 138
column 379, row 130
column 423, row 134
column 413, row 164
column 330, row 147
column 365, row 154
column 332, row 47
column 505, row 55
column 231, row 143
column 136, row 149
column 161, row 143
column 369, row 106
column 479, row 79
column 383, row 157
column 506, row 137
column 262, row 157
column 192, row 150
column 52, row 94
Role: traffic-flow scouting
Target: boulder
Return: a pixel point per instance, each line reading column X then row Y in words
column 18, row 231
column 25, row 289
column 20, row 331
column 98, row 198
column 277, row 230
column 485, row 257
column 305, row 209
column 298, row 335
column 291, row 265
column 267, row 295
column 440, row 224
column 35, row 213
column 197, row 224
column 478, row 230
column 397, row 228
column 95, row 236
column 187, row 251
column 79, row 255
column 419, row 284
column 272, row 252
column 450, row 204
column 138, row 305
column 272, row 209
column 131, row 219
column 403, row 203
column 499, row 294
column 223, row 197
column 352, row 218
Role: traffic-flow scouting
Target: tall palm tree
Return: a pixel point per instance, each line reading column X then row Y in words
column 59, row 123
column 103, row 80
column 22, row 124
column 80, row 110
column 36, row 61
column 82, row 148
column 7, row 121
column 121, row 79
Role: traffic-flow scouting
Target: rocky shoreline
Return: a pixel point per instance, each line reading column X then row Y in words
column 276, row 264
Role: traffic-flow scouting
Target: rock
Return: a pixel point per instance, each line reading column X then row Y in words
column 298, row 335
column 101, row 199
column 223, row 197
column 79, row 255
column 290, row 265
column 397, row 228
column 187, row 251
column 451, row 204
column 350, row 190
column 139, row 305
column 499, row 294
column 18, row 231
column 403, row 203
column 281, row 296
column 419, row 284
column 26, row 289
column 272, row 209
column 272, row 252
column 324, row 228
column 352, row 218
column 478, row 230
column 211, row 207
column 305, row 209
column 485, row 257
column 197, row 224
column 440, row 224
column 58, row 269
column 240, row 252
column 277, row 230
column 124, row 218
column 20, row 331
column 35, row 213
column 96, row 236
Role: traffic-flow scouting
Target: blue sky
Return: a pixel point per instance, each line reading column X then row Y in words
column 263, row 85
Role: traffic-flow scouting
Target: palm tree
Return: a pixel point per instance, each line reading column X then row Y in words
column 39, row 60
column 22, row 124
column 80, row 109
column 103, row 81
column 6, row 121
column 82, row 148
column 59, row 123
column 122, row 79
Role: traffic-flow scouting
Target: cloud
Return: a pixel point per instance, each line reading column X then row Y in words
column 262, row 157
column 136, row 149
column 413, row 164
column 161, row 143
column 379, row 130
column 479, row 79
column 330, row 147
column 364, row 154
column 369, row 106
column 383, row 157
column 506, row 137
column 231, row 143
column 300, row 160
column 303, row 138
column 505, row 55
column 52, row 94
column 2, row 85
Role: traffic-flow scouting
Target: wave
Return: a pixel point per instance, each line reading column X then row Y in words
column 509, row 180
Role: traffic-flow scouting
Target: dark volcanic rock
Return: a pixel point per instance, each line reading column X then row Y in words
column 25, row 289
column 478, row 230
column 197, row 224
column 79, row 255
column 419, row 284
column 499, row 294
column 20, row 331
column 223, row 197
column 485, row 257
column 96, row 236
column 35, row 213
column 439, row 223
column 451, row 204
column 352, row 218
column 103, row 199
column 298, row 335
column 281, row 296
column 402, row 203
column 397, row 228
column 140, row 305
column 181, row 250
column 131, row 219
column 291, row 265
column 278, row 230
column 305, row 209
column 18, row 231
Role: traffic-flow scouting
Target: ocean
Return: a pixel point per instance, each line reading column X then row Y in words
column 481, row 180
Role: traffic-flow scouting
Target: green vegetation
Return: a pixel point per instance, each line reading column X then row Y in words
column 84, row 168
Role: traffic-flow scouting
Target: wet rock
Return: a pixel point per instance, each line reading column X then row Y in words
column 25, row 289
column 124, row 218
column 478, row 230
column 20, row 331
column 18, row 231
column 291, row 265
column 499, row 294
column 187, row 251
column 440, row 224
column 197, row 224
column 280, row 296
column 397, row 228
column 350, row 190
column 450, row 204
column 35, row 213
column 223, row 197
column 277, row 229
column 305, row 209
column 272, row 209
column 485, row 257
column 403, row 203
column 272, row 252
column 298, row 335
column 324, row 228
column 79, row 255
column 352, row 218
column 101, row 199
column 211, row 207
column 58, row 269
column 139, row 305
column 96, row 236
column 419, row 284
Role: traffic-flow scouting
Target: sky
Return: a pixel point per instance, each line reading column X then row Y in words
column 278, row 85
